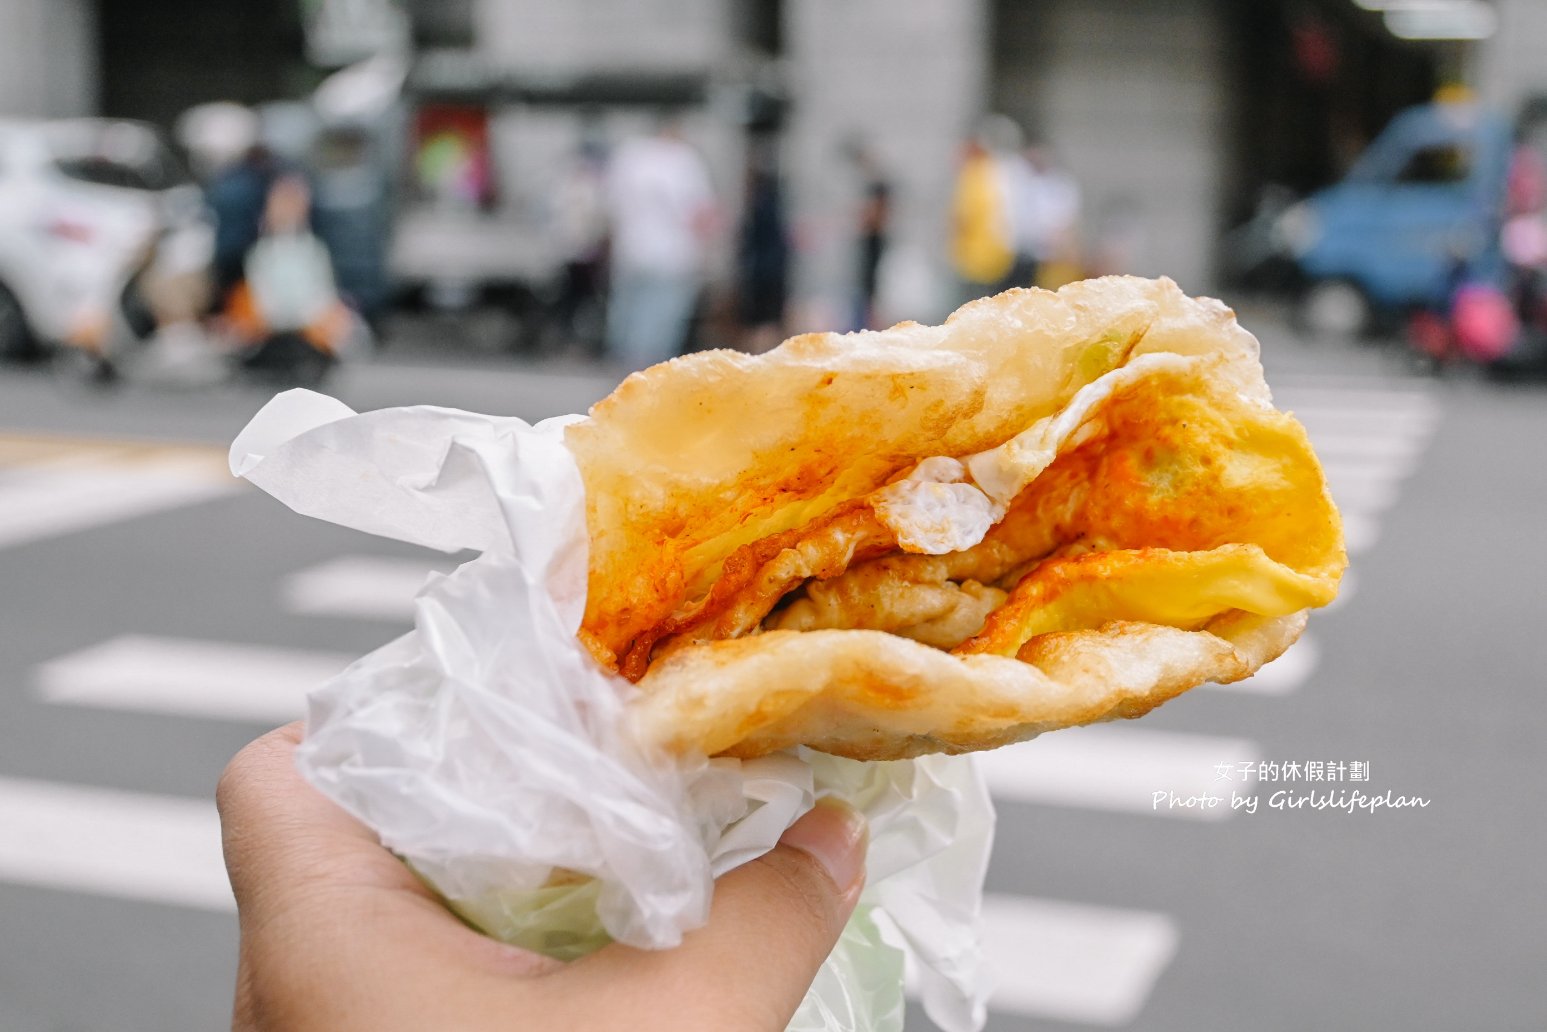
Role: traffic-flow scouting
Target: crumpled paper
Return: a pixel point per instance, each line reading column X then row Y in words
column 486, row 747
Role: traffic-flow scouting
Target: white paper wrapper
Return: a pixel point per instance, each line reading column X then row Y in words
column 485, row 746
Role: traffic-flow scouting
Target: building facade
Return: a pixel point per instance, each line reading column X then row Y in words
column 1171, row 114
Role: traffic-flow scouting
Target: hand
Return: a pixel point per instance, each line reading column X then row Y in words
column 338, row 935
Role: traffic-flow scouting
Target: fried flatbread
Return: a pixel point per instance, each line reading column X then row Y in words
column 1053, row 509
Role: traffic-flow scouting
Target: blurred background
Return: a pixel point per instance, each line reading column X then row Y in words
column 507, row 205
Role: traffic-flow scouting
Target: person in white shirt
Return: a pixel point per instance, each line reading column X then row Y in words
column 661, row 206
column 1045, row 202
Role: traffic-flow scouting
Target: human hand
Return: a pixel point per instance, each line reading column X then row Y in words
column 337, row 934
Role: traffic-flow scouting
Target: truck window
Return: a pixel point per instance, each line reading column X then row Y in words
column 1445, row 163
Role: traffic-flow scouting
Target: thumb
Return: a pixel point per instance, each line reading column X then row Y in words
column 772, row 924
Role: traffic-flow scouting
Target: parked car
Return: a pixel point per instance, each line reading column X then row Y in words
column 84, row 204
column 1425, row 197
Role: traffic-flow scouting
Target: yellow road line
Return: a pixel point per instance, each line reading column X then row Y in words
column 45, row 450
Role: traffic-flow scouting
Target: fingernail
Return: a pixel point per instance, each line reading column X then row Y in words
column 835, row 835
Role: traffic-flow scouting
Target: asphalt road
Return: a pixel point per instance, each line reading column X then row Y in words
column 133, row 576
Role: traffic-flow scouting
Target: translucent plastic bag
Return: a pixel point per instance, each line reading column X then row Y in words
column 487, row 749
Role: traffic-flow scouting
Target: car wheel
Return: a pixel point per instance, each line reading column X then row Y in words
column 16, row 340
column 1334, row 310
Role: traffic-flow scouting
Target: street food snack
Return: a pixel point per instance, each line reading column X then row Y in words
column 1054, row 509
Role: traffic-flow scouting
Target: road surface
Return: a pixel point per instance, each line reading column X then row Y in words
column 156, row 616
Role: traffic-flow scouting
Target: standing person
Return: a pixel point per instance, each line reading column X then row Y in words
column 287, row 310
column 580, row 233
column 662, row 210
column 1055, row 254
column 982, row 216
column 763, row 254
column 238, row 195
column 873, row 226
column 1028, row 218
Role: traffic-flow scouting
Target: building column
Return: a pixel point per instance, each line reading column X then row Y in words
column 48, row 58
column 910, row 79
column 1512, row 69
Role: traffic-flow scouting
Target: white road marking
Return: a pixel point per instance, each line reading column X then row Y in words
column 1360, row 532
column 1071, row 961
column 1360, row 447
column 1282, row 676
column 1342, row 383
column 1346, row 591
column 1374, row 483
column 358, row 586
column 59, row 498
column 161, row 849
column 1355, row 494
column 1363, row 399
column 189, row 678
column 1352, row 419
column 1130, row 770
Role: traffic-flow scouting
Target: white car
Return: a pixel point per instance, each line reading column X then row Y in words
column 85, row 204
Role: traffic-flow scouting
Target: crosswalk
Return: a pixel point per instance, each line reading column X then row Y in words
column 161, row 849
column 179, row 677
column 1073, row 961
column 52, row 486
column 360, row 587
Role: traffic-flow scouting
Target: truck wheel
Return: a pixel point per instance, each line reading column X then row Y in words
column 1334, row 310
column 16, row 340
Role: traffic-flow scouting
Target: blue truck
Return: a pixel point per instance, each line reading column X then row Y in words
column 1421, row 206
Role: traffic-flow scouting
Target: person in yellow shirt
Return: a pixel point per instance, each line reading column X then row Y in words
column 981, row 250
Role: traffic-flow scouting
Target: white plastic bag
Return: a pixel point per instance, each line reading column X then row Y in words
column 485, row 746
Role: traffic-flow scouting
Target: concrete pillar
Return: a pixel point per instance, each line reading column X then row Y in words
column 548, row 37
column 1132, row 95
column 910, row 78
column 1511, row 65
column 48, row 58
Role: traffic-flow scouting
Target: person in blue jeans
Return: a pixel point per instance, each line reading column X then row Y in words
column 661, row 209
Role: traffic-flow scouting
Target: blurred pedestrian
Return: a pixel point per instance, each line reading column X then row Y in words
column 1046, row 213
column 982, row 214
column 872, row 228
column 662, row 212
column 580, row 234
column 763, row 253
column 289, row 289
column 288, row 269
column 1523, row 236
column 237, row 195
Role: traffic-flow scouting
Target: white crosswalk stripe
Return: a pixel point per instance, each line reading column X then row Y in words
column 62, row 498
column 361, row 587
column 52, row 485
column 1071, row 961
column 188, row 678
column 1369, row 440
column 130, row 845
column 1125, row 769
